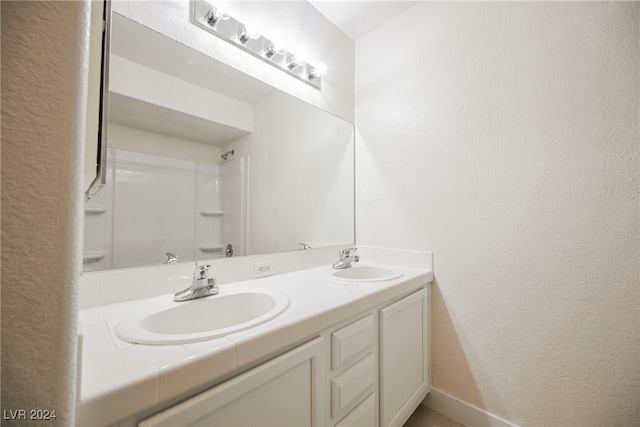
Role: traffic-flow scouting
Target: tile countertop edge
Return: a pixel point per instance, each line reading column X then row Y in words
column 138, row 390
column 100, row 403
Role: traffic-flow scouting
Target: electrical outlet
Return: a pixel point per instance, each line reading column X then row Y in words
column 262, row 269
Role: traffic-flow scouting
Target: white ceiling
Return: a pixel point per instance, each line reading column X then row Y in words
column 357, row 18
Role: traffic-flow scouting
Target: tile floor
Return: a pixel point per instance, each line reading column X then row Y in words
column 425, row 417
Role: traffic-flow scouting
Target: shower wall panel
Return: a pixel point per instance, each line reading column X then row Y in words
column 152, row 205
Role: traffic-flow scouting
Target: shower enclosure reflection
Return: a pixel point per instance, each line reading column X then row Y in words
column 153, row 205
column 205, row 162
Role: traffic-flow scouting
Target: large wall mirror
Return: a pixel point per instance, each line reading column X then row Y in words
column 205, row 162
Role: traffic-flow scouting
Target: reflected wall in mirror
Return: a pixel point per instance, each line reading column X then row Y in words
column 206, row 162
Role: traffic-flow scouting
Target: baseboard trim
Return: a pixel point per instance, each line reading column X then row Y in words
column 462, row 412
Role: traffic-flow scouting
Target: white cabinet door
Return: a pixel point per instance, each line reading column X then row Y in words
column 286, row 391
column 404, row 357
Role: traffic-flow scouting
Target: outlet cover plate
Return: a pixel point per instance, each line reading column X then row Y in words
column 262, row 269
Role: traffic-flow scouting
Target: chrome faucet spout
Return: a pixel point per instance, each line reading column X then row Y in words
column 171, row 258
column 202, row 285
column 346, row 258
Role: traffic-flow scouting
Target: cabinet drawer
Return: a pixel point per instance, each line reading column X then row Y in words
column 351, row 342
column 364, row 415
column 350, row 386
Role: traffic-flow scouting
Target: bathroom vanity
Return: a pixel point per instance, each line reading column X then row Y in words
column 344, row 348
column 343, row 353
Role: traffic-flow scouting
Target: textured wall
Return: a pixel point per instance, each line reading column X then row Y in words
column 297, row 24
column 44, row 60
column 504, row 138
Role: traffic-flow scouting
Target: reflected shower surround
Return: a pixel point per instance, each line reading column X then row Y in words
column 217, row 21
column 151, row 205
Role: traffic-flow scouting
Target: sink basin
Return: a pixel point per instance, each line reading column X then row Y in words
column 202, row 319
column 365, row 273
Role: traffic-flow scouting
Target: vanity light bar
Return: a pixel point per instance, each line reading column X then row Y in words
column 217, row 22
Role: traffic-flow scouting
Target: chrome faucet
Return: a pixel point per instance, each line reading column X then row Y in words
column 346, row 258
column 171, row 258
column 202, row 285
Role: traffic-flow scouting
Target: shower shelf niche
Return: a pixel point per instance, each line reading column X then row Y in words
column 93, row 256
column 97, row 210
column 211, row 212
column 210, row 248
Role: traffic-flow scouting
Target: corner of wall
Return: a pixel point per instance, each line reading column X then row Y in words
column 44, row 79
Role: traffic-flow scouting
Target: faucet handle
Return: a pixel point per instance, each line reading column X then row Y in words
column 201, row 271
column 345, row 253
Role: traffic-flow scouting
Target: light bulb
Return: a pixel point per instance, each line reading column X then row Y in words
column 245, row 35
column 318, row 71
column 215, row 14
column 273, row 50
column 294, row 63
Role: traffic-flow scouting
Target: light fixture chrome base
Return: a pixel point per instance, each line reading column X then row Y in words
column 207, row 17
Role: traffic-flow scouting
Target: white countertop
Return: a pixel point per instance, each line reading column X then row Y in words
column 120, row 379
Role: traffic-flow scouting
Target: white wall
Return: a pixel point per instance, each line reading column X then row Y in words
column 503, row 136
column 300, row 176
column 143, row 141
column 298, row 24
column 158, row 90
column 44, row 78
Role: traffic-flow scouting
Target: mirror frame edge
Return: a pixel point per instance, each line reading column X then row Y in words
column 103, row 113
